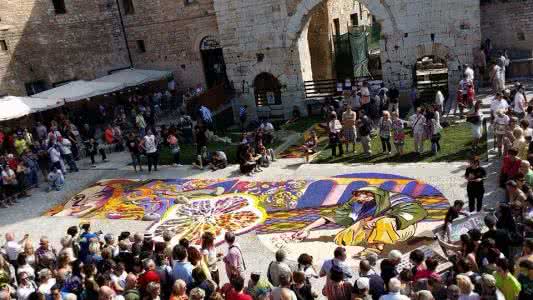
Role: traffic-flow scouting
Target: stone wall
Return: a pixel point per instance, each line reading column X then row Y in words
column 411, row 29
column 88, row 41
column 508, row 24
column 81, row 44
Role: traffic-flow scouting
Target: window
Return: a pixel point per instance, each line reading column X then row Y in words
column 355, row 19
column 140, row 46
column 3, row 45
column 35, row 87
column 59, row 7
column 521, row 36
column 267, row 90
column 337, row 26
column 189, row 2
column 128, row 7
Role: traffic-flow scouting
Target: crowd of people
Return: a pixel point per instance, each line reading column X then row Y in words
column 364, row 114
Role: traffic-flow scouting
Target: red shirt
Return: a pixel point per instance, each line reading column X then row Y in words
column 510, row 167
column 233, row 295
column 109, row 136
column 147, row 277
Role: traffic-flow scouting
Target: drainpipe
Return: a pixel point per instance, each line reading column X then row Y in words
column 125, row 35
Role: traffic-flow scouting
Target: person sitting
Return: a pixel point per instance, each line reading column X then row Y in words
column 310, row 145
column 201, row 159
column 247, row 161
column 219, row 160
column 55, row 179
column 265, row 155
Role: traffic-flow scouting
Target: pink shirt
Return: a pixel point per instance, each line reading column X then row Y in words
column 234, row 261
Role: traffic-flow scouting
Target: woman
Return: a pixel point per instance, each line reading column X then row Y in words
column 29, row 251
column 475, row 118
column 336, row 288
column 475, row 189
column 398, row 132
column 305, row 265
column 23, row 266
column 26, row 286
column 7, row 273
column 179, row 290
column 196, row 259
column 520, row 143
column 172, row 141
column 210, row 255
column 467, row 288
column 149, row 145
column 417, row 257
column 335, row 128
column 434, row 130
column 385, row 128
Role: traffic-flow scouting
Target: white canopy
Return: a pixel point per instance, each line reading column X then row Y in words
column 133, row 77
column 12, row 107
column 81, row 89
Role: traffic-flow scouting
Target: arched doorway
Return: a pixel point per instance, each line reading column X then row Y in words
column 431, row 75
column 213, row 60
column 267, row 90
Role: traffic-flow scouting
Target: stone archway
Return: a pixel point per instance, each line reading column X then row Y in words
column 380, row 10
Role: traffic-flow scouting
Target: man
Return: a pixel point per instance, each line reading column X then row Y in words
column 505, row 281
column 501, row 237
column 130, row 290
column 106, row 293
column 418, row 123
column 284, row 291
column 388, row 266
column 348, row 127
column 339, row 260
column 66, row 146
column 517, row 198
column 182, row 269
column 233, row 260
column 46, row 282
column 237, row 290
column 394, row 291
column 55, row 179
column 45, row 255
column 376, row 283
column 525, row 168
column 13, row 248
column 394, row 98
column 365, row 128
column 526, row 280
column 527, row 254
column 278, row 268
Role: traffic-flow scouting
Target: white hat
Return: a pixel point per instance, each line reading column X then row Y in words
column 363, row 283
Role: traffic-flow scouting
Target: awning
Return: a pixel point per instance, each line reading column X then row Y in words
column 81, row 89
column 12, row 107
column 133, row 77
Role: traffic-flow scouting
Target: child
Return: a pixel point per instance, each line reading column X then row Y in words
column 264, row 161
column 55, row 179
column 398, row 133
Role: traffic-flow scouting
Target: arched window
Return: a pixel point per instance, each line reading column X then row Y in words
column 267, row 90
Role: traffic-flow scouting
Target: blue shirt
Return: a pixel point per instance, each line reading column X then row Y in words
column 326, row 267
column 183, row 271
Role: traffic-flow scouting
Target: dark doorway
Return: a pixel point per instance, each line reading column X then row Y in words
column 213, row 60
column 267, row 90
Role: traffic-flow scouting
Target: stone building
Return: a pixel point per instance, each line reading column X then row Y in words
column 262, row 47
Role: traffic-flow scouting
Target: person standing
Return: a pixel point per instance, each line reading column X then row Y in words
column 233, row 260
column 93, row 149
column 475, row 118
column 365, row 128
column 66, row 145
column 475, row 176
column 385, row 128
column 150, row 147
column 243, row 116
column 418, row 124
column 348, row 127
column 172, row 141
column 365, row 98
column 141, row 123
column 398, row 132
column 134, row 148
column 335, row 128
column 520, row 103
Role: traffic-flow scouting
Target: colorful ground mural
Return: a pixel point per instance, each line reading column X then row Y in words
column 367, row 211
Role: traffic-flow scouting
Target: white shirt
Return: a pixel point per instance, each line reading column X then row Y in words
column 55, row 156
column 394, row 296
column 469, row 74
column 65, row 146
column 471, row 296
column 497, row 105
column 149, row 144
column 267, row 126
column 120, row 280
column 439, row 98
column 23, row 292
column 519, row 103
column 44, row 288
column 335, row 126
column 12, row 249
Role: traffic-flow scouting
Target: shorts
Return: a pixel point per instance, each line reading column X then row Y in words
column 349, row 134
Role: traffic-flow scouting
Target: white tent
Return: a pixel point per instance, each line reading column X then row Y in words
column 81, row 89
column 133, row 77
column 12, row 107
